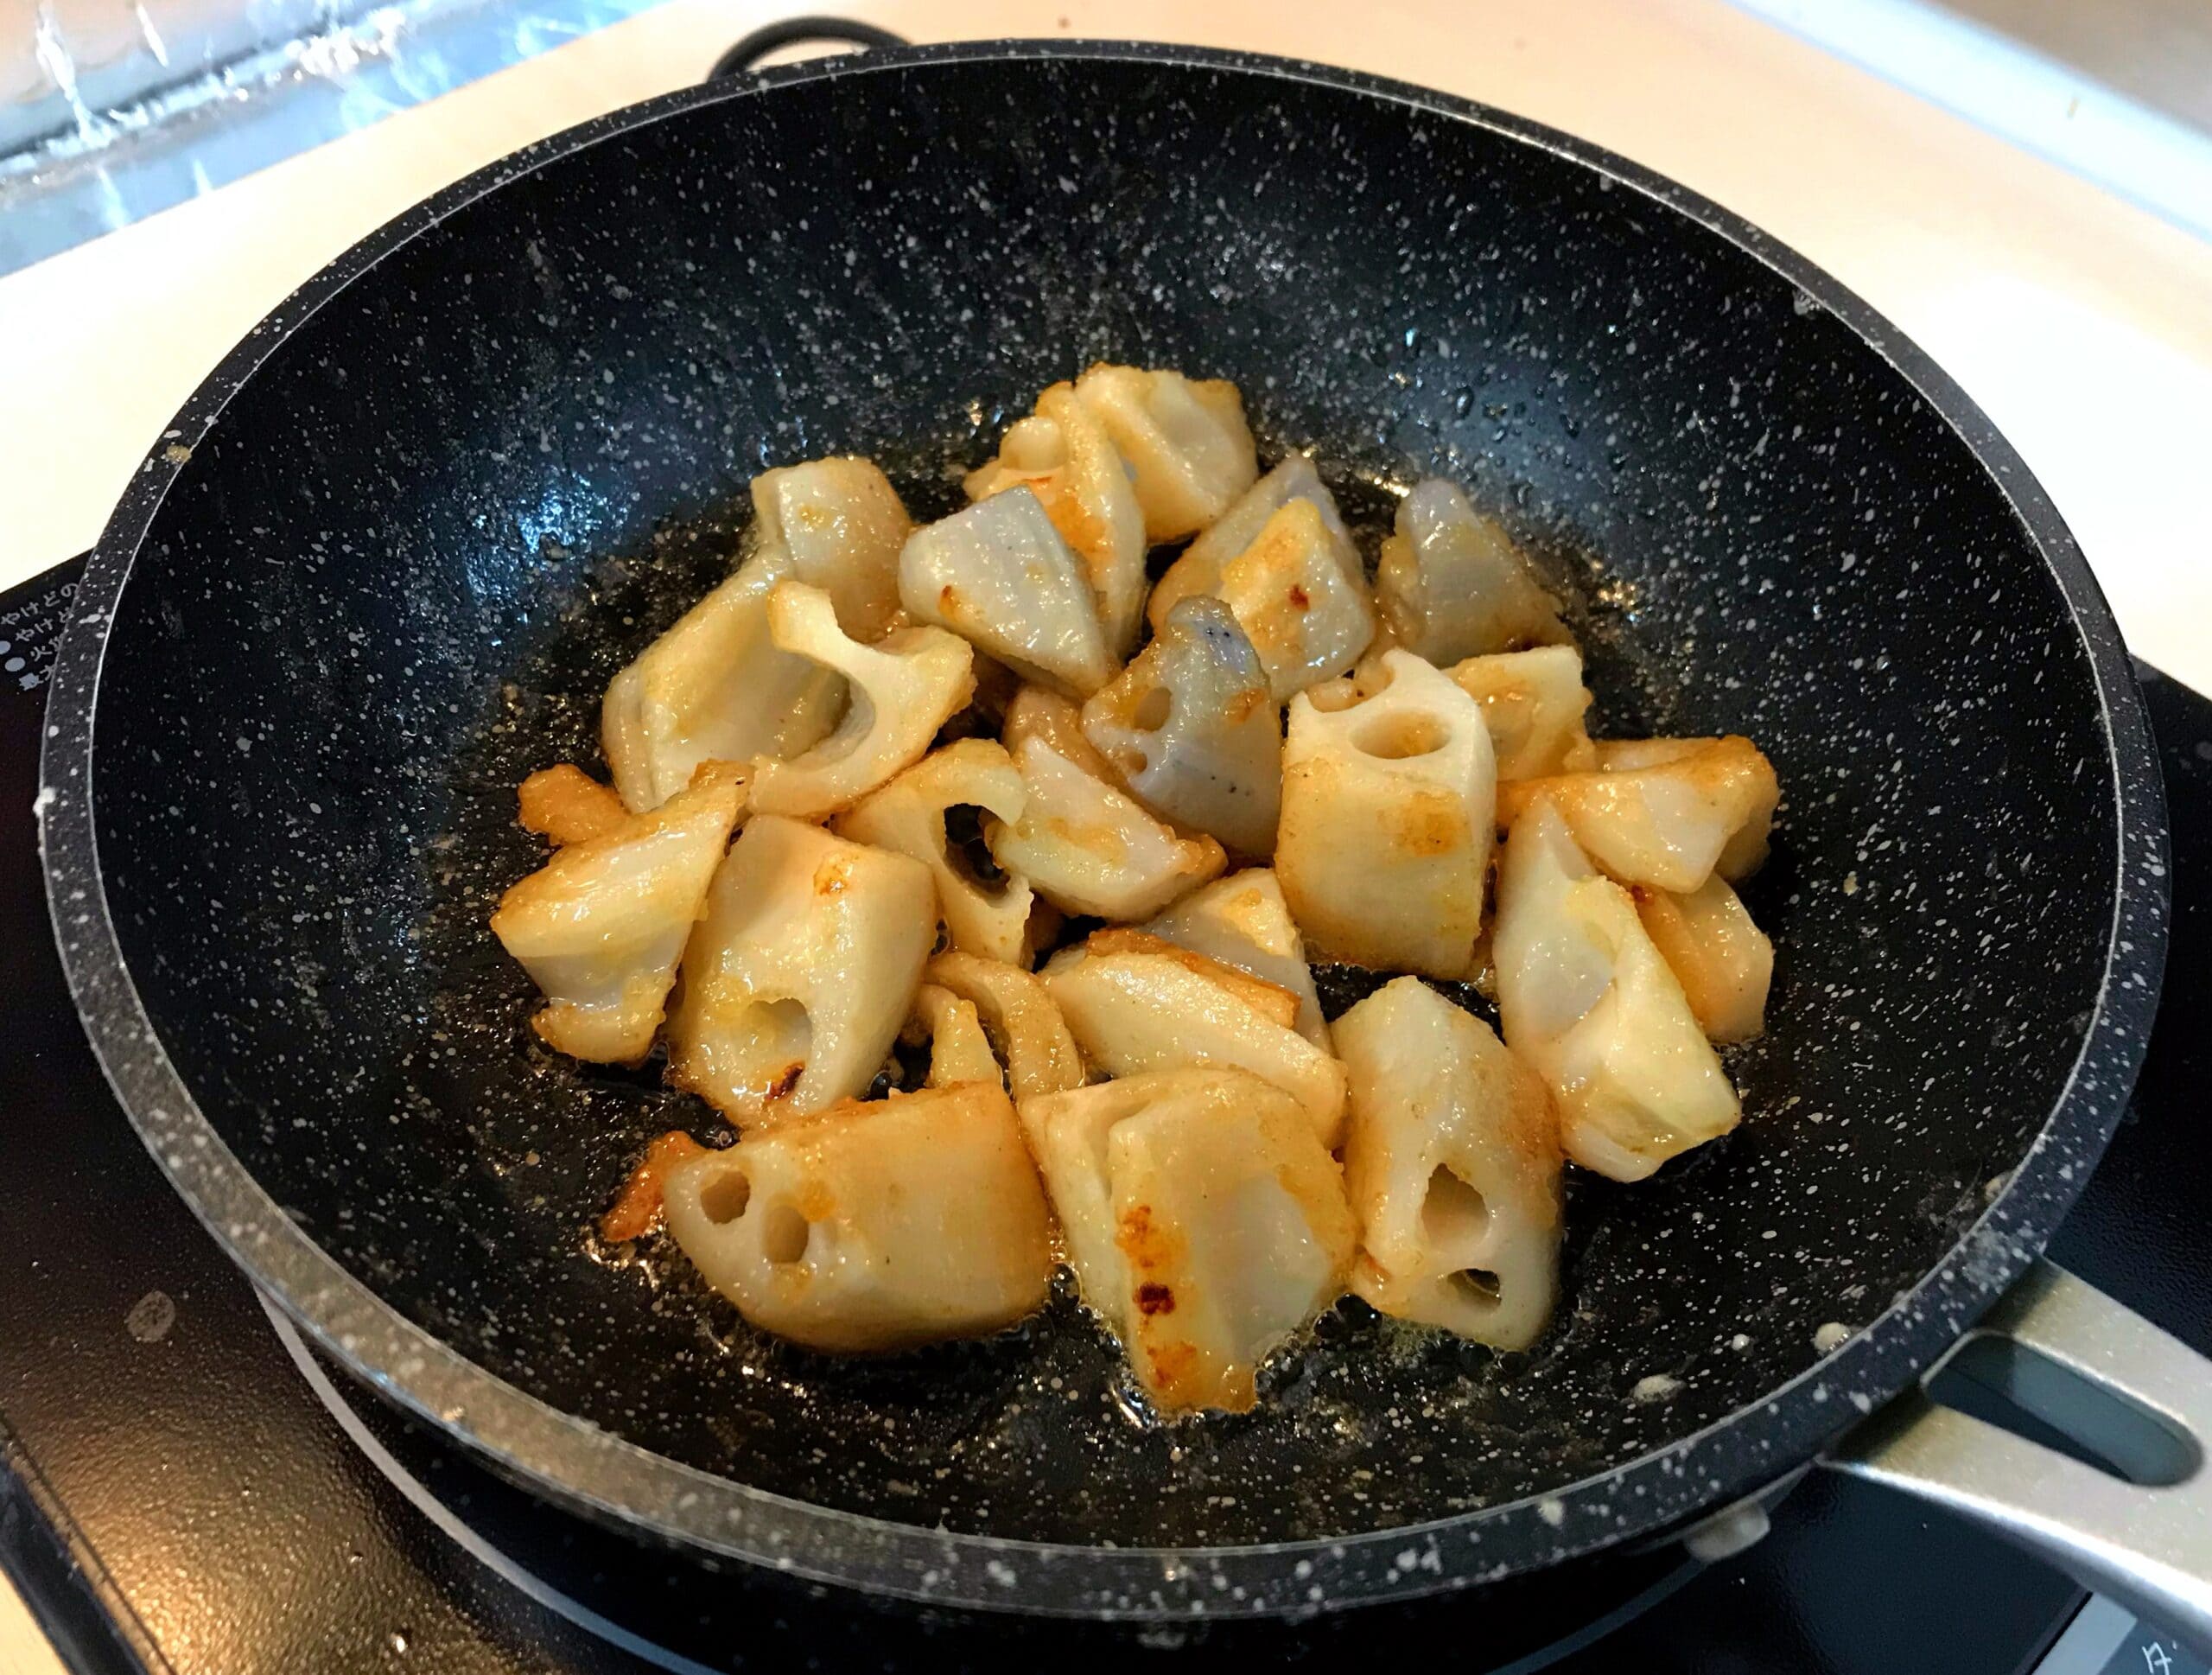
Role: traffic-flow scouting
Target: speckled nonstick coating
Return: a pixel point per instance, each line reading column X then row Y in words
column 391, row 553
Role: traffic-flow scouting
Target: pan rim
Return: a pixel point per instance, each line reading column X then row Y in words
column 574, row 1462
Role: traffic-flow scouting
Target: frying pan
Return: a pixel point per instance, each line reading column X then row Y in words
column 389, row 555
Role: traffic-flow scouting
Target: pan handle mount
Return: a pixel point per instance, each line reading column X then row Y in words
column 2116, row 1388
column 747, row 54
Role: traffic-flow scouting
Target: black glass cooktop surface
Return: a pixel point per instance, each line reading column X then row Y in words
column 187, row 1489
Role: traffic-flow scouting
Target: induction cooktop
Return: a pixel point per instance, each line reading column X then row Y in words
column 188, row 1489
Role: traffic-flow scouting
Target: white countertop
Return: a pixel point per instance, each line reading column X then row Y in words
column 2082, row 323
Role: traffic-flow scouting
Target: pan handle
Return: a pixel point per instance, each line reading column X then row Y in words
column 2113, row 1386
column 747, row 54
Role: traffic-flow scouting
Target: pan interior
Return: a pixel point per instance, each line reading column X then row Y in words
column 399, row 571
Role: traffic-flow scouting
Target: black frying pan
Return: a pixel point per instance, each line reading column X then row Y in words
column 391, row 553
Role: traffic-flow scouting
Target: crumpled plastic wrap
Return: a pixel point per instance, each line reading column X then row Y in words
column 111, row 109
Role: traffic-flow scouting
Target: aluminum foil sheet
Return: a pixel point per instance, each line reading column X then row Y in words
column 111, row 109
